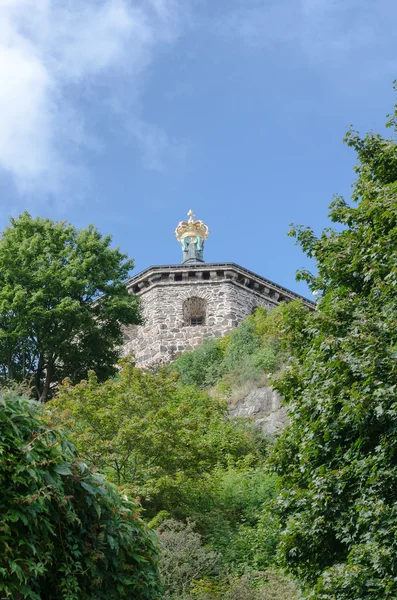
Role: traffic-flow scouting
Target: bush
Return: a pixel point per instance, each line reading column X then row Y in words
column 228, row 588
column 277, row 587
column 242, row 342
column 65, row 533
column 268, row 585
column 183, row 558
column 267, row 357
column 202, row 366
column 252, row 371
column 192, row 571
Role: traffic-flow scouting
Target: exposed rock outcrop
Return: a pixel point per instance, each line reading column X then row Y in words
column 265, row 407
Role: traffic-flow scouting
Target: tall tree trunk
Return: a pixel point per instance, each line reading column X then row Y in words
column 48, row 379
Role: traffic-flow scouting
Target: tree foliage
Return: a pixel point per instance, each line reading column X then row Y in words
column 51, row 274
column 238, row 521
column 337, row 459
column 65, row 533
column 177, row 449
column 147, row 432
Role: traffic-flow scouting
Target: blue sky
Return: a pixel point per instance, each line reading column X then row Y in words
column 127, row 113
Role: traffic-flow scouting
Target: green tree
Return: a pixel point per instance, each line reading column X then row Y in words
column 149, row 433
column 51, row 275
column 65, row 533
column 337, row 459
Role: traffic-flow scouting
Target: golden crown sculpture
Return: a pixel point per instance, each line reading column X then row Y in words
column 191, row 228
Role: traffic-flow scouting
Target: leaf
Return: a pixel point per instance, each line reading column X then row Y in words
column 89, row 488
column 63, row 469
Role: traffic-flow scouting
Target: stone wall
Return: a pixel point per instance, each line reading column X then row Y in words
column 165, row 332
column 171, row 296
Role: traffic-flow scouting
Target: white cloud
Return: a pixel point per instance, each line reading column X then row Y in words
column 52, row 52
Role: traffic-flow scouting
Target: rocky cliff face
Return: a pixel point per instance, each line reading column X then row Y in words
column 264, row 406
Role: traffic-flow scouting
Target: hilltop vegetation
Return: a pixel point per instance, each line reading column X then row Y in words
column 199, row 475
column 68, row 534
column 241, row 359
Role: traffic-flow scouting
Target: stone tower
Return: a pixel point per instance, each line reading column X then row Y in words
column 182, row 304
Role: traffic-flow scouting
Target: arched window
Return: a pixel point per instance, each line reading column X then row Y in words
column 194, row 311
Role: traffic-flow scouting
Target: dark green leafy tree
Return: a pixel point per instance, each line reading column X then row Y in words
column 51, row 274
column 65, row 533
column 338, row 458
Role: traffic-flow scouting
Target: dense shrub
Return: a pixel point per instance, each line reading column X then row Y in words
column 184, row 559
column 65, row 533
column 269, row 585
column 242, row 342
column 192, row 571
column 202, row 367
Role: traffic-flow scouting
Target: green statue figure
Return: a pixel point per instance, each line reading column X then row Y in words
column 192, row 248
column 199, row 246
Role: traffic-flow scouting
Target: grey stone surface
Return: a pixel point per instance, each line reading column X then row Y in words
column 264, row 406
column 221, row 294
